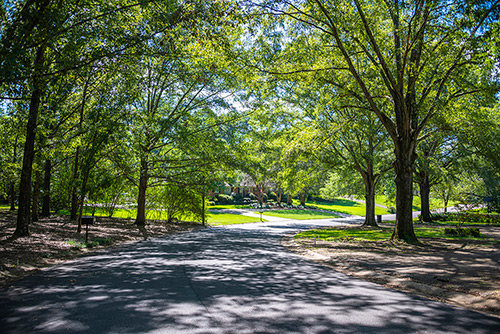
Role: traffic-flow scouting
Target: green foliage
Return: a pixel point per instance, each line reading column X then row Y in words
column 224, row 199
column 466, row 217
column 175, row 202
column 463, row 232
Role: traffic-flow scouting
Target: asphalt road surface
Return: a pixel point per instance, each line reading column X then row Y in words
column 235, row 279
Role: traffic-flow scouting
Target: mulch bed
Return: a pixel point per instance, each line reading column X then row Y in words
column 55, row 239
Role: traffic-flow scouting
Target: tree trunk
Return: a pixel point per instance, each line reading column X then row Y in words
column 12, row 198
column 288, row 199
column 141, row 200
column 278, row 196
column 23, row 212
column 36, row 195
column 403, row 168
column 203, row 208
column 425, row 189
column 74, row 189
column 46, row 189
column 370, row 202
column 303, row 197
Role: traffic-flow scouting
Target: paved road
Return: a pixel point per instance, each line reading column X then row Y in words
column 235, row 279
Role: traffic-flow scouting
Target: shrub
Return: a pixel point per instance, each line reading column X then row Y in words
column 463, row 232
column 466, row 217
column 225, row 199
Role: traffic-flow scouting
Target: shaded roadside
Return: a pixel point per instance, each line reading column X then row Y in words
column 464, row 273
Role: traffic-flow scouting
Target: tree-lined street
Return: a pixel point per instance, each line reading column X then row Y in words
column 235, row 279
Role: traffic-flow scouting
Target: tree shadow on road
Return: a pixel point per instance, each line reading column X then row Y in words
column 217, row 281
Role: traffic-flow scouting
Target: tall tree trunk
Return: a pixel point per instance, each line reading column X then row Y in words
column 288, row 199
column 303, row 198
column 24, row 209
column 74, row 189
column 370, row 202
column 46, row 188
column 12, row 190
column 278, row 196
column 203, row 208
column 36, row 195
column 403, row 168
column 12, row 196
column 83, row 192
column 425, row 189
column 141, row 200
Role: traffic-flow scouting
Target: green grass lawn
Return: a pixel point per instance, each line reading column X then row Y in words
column 218, row 218
column 123, row 213
column 228, row 206
column 300, row 214
column 375, row 234
column 435, row 203
column 347, row 206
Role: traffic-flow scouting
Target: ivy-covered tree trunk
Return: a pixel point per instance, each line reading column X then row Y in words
column 425, row 189
column 24, row 209
column 36, row 195
column 403, row 168
column 141, row 200
column 46, row 188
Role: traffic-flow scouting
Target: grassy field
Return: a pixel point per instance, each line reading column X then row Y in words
column 375, row 234
column 435, row 203
column 300, row 214
column 347, row 206
column 216, row 219
column 228, row 206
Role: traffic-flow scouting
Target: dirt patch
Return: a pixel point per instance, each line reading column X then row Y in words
column 461, row 272
column 55, row 239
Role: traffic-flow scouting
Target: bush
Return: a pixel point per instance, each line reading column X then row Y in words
column 463, row 232
column 225, row 199
column 466, row 217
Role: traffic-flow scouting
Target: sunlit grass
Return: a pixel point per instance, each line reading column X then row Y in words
column 300, row 214
column 347, row 206
column 217, row 218
column 374, row 234
column 434, row 203
column 228, row 206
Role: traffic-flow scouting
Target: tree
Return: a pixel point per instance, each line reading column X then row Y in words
column 345, row 138
column 409, row 55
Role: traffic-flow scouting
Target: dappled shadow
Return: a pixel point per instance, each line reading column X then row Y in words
column 222, row 280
